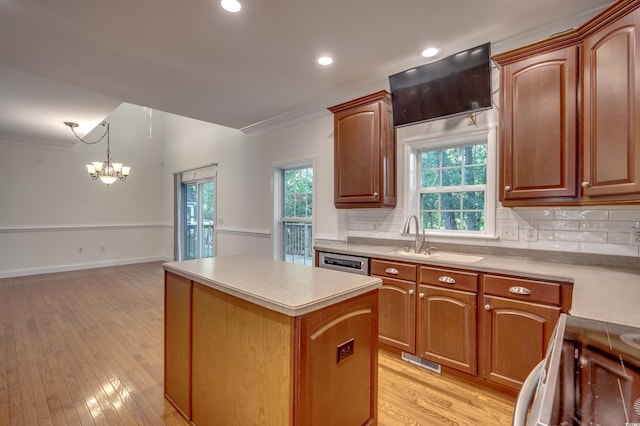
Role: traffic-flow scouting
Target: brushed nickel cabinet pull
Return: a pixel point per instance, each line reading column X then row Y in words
column 507, row 188
column 375, row 194
column 487, row 307
column 421, row 295
column 520, row 290
column 410, row 292
column 586, row 184
column 447, row 280
column 392, row 271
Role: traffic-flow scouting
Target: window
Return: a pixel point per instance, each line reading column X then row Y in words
column 297, row 213
column 452, row 188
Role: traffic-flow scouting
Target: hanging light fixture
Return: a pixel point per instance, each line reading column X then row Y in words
column 108, row 172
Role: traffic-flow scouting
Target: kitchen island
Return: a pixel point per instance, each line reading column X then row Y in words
column 251, row 340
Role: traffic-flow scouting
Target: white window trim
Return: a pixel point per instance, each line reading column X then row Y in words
column 276, row 192
column 452, row 139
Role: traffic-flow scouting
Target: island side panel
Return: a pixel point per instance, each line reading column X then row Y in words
column 333, row 390
column 242, row 362
column 177, row 348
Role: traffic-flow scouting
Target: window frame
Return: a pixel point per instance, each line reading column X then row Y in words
column 278, row 199
column 412, row 152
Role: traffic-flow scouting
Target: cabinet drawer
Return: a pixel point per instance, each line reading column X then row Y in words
column 451, row 279
column 402, row 271
column 523, row 289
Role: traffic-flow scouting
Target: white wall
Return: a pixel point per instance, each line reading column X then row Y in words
column 242, row 209
column 54, row 217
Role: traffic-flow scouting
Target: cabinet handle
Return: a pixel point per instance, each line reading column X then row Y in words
column 586, row 184
column 421, row 295
column 410, row 292
column 375, row 194
column 447, row 280
column 507, row 188
column 392, row 271
column 487, row 307
column 520, row 290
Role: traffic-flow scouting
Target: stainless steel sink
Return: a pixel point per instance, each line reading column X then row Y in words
column 440, row 255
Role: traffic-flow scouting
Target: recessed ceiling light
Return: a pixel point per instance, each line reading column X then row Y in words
column 325, row 60
column 430, row 51
column 231, row 5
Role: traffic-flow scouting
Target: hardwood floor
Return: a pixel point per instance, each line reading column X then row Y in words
column 86, row 347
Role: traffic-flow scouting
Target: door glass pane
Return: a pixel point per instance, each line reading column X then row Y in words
column 199, row 219
column 191, row 220
column 207, row 198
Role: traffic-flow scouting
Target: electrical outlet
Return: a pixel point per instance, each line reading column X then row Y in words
column 509, row 233
column 635, row 236
column 79, row 249
column 376, row 226
column 532, row 233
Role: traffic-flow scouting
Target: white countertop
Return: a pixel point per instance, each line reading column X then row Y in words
column 280, row 286
column 600, row 293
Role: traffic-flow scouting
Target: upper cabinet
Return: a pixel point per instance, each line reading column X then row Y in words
column 569, row 116
column 611, row 109
column 364, row 153
column 539, row 126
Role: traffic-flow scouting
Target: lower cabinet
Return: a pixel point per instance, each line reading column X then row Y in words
column 495, row 328
column 447, row 328
column 447, row 319
column 397, row 318
column 518, row 318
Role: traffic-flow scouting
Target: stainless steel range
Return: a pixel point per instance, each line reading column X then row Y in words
column 590, row 376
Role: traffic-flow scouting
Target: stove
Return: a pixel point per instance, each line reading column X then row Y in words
column 590, row 375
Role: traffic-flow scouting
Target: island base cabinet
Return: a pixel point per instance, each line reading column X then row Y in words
column 177, row 356
column 339, row 364
column 239, row 363
column 242, row 361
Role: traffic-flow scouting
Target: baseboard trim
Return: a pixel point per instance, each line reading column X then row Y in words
column 80, row 266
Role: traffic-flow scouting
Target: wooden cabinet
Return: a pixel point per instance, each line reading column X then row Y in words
column 232, row 362
column 494, row 328
column 538, row 132
column 397, row 320
column 611, row 109
column 570, row 115
column 518, row 318
column 447, row 318
column 364, row 153
column 177, row 335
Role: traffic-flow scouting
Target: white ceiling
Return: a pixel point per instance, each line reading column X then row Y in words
column 77, row 60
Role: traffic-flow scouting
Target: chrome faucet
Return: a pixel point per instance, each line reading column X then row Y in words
column 419, row 242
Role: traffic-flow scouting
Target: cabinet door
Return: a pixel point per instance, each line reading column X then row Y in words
column 364, row 153
column 397, row 321
column 447, row 327
column 538, row 137
column 611, row 109
column 177, row 353
column 514, row 338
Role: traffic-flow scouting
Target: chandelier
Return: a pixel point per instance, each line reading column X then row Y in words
column 107, row 171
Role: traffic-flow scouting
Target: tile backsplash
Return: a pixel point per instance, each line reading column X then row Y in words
column 596, row 230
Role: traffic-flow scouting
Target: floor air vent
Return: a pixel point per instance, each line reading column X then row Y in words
column 421, row 362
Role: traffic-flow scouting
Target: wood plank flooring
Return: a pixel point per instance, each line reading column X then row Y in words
column 86, row 347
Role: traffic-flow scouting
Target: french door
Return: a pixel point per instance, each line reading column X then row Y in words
column 199, row 218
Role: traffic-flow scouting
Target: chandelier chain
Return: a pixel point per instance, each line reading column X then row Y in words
column 106, row 132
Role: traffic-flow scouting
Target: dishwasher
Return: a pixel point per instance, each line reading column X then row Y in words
column 344, row 262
